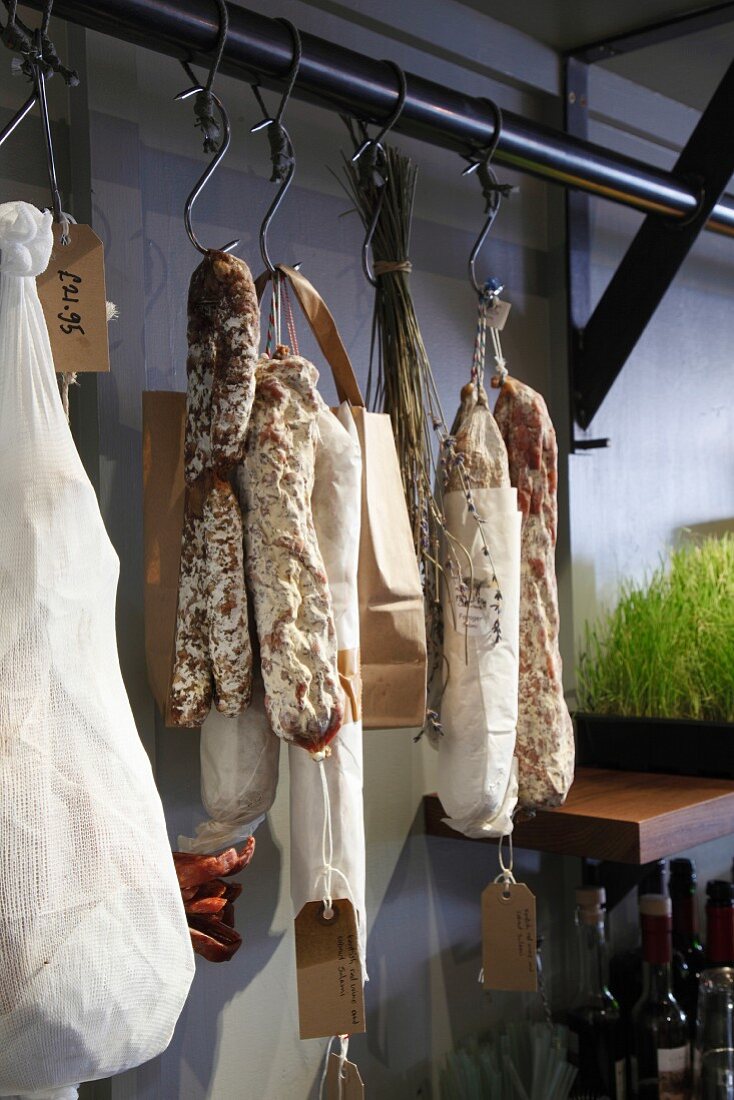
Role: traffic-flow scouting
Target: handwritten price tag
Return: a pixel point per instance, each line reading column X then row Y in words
column 328, row 971
column 72, row 293
column 509, row 938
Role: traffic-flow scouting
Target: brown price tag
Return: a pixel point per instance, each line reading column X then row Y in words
column 72, row 293
column 348, row 1086
column 329, row 973
column 498, row 313
column 509, row 937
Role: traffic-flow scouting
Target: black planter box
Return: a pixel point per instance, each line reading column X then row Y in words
column 679, row 746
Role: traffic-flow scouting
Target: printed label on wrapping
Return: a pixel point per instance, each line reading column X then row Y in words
column 73, row 298
column 473, row 606
column 347, row 1087
column 509, row 938
column 328, row 970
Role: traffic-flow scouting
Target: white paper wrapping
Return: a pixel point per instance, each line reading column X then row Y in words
column 336, row 511
column 239, row 775
column 95, row 954
column 477, row 771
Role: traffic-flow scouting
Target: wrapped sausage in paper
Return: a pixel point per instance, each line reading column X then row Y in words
column 95, row 956
column 336, row 502
column 477, row 781
column 480, row 603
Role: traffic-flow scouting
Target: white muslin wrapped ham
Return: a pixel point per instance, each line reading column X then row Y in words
column 95, row 955
column 477, row 771
column 336, row 503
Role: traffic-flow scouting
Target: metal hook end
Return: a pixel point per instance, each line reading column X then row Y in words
column 362, row 149
column 261, row 125
column 189, row 92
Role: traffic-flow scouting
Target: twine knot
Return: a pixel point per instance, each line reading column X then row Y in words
column 206, row 120
column 392, row 267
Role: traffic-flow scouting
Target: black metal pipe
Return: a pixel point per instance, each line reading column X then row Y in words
column 340, row 79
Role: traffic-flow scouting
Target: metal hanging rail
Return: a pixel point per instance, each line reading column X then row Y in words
column 340, row 79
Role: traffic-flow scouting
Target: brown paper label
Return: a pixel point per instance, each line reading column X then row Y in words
column 329, row 973
column 498, row 313
column 348, row 1086
column 72, row 293
column 509, row 937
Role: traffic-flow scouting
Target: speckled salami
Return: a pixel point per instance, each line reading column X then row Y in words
column 545, row 744
column 293, row 610
column 213, row 655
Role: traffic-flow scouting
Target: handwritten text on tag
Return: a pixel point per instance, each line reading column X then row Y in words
column 329, row 973
column 72, row 293
column 509, row 937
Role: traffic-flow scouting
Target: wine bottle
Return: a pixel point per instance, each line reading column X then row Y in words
column 688, row 954
column 719, row 923
column 625, row 969
column 596, row 1037
column 661, row 1054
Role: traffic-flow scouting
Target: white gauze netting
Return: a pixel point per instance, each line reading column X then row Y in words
column 95, row 957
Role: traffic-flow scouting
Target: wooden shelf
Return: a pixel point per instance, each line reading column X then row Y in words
column 630, row 817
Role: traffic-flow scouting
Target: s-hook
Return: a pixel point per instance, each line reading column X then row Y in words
column 493, row 192
column 217, row 134
column 225, row 136
column 372, row 160
column 39, row 79
column 282, row 153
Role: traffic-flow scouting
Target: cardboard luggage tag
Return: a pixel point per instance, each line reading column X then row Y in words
column 509, row 937
column 328, row 970
column 343, row 1081
column 72, row 293
column 498, row 313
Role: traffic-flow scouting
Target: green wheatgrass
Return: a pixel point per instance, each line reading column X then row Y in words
column 667, row 649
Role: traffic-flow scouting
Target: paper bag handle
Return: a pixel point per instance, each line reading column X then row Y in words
column 323, row 326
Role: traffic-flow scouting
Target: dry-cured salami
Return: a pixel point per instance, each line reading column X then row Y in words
column 545, row 744
column 213, row 656
column 285, row 569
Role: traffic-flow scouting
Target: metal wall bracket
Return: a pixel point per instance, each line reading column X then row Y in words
column 602, row 340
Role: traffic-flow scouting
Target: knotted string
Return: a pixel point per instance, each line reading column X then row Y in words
column 343, row 1050
column 391, row 267
column 487, row 299
column 204, row 106
column 21, row 39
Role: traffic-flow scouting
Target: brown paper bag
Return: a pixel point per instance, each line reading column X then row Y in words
column 164, row 423
column 392, row 625
column 392, row 619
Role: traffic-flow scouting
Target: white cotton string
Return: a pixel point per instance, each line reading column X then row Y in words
column 328, row 870
column 500, row 370
column 343, row 1050
column 325, row 1071
column 506, row 876
column 327, row 844
column 65, row 221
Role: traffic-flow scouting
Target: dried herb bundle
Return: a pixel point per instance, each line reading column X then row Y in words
column 400, row 373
